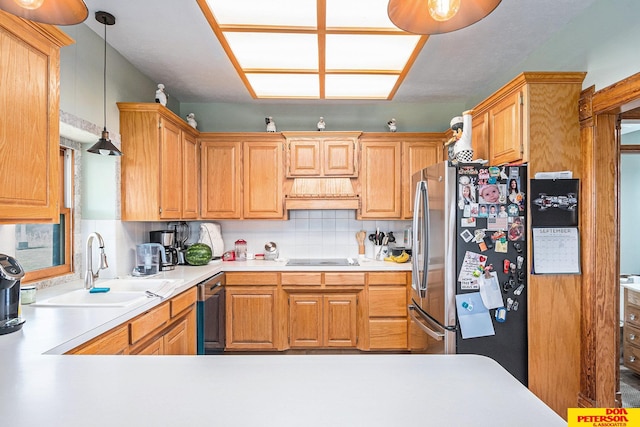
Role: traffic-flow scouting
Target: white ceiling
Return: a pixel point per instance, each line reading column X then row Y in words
column 171, row 42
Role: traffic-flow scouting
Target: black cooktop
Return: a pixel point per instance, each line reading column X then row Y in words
column 321, row 262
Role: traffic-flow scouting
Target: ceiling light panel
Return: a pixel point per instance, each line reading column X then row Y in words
column 285, row 85
column 274, row 51
column 368, row 52
column 359, row 86
column 314, row 49
column 283, row 13
column 358, row 14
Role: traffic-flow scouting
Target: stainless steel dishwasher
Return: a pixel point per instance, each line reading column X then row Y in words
column 211, row 315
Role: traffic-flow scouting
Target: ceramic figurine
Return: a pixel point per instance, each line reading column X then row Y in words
column 191, row 120
column 462, row 150
column 392, row 125
column 456, row 127
column 161, row 96
column 321, row 124
column 271, row 124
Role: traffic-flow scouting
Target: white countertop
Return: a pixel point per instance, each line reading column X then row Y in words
column 41, row 387
column 365, row 265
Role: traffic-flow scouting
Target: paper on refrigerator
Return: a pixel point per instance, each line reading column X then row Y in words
column 490, row 291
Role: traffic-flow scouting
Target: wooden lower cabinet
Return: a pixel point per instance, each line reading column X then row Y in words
column 388, row 321
column 323, row 320
column 169, row 328
column 251, row 318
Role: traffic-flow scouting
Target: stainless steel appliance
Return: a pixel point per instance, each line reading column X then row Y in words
column 11, row 272
column 166, row 238
column 182, row 234
column 448, row 228
column 211, row 315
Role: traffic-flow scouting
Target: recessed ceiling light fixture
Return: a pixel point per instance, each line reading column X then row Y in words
column 314, row 49
column 104, row 145
column 55, row 12
column 438, row 16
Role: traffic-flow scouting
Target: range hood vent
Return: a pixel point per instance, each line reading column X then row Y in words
column 322, row 193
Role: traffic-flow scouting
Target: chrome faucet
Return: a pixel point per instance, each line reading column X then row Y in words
column 89, row 275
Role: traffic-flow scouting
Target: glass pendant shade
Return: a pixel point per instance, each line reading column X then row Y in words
column 55, row 12
column 443, row 10
column 438, row 16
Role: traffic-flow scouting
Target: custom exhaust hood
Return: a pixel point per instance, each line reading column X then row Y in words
column 322, row 193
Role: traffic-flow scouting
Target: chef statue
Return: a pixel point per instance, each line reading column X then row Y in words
column 392, row 125
column 321, row 124
column 460, row 149
column 271, row 125
column 191, row 120
column 161, row 96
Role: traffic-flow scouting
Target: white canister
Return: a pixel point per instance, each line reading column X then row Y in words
column 27, row 294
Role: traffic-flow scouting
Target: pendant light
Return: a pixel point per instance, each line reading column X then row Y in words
column 55, row 12
column 104, row 145
column 438, row 16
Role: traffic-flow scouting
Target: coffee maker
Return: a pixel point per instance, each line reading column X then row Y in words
column 11, row 272
column 167, row 239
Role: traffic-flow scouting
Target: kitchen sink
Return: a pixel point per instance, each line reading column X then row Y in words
column 321, row 262
column 122, row 293
column 83, row 298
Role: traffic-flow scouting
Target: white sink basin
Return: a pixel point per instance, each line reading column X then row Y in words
column 82, row 298
column 136, row 285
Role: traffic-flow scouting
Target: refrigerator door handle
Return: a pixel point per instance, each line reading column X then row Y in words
column 431, row 328
column 421, row 201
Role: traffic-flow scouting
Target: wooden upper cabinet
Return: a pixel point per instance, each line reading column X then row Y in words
column 313, row 154
column 380, row 184
column 417, row 153
column 263, row 176
column 505, row 130
column 29, row 120
column 190, row 177
column 480, row 136
column 221, row 179
column 159, row 165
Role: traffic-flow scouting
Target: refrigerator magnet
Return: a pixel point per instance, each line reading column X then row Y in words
column 466, row 236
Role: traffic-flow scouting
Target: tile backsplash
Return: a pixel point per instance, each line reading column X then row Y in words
column 307, row 234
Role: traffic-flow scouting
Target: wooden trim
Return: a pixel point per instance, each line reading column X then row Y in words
column 619, row 97
column 630, row 148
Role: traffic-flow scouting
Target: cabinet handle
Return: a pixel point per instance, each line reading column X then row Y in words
column 632, row 337
column 632, row 317
column 632, row 359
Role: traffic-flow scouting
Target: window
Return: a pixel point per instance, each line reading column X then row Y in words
column 45, row 250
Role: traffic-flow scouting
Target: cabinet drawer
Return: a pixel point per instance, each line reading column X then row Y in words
column 633, row 297
column 344, row 279
column 388, row 334
column 631, row 357
column 183, row 301
column 112, row 342
column 388, row 302
column 631, row 335
column 262, row 278
column 632, row 315
column 302, row 278
column 148, row 322
column 387, row 278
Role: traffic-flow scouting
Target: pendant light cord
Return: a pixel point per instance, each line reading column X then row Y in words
column 104, row 77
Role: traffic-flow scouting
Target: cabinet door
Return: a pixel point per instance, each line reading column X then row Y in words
column 416, row 155
column 304, row 158
column 29, row 115
column 176, row 340
column 505, row 130
column 380, row 180
column 340, row 326
column 339, row 158
column 480, row 136
column 263, row 177
column 305, row 321
column 221, row 166
column 251, row 322
column 155, row 348
column 170, row 170
column 190, row 167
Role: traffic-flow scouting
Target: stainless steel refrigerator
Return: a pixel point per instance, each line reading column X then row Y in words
column 469, row 290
